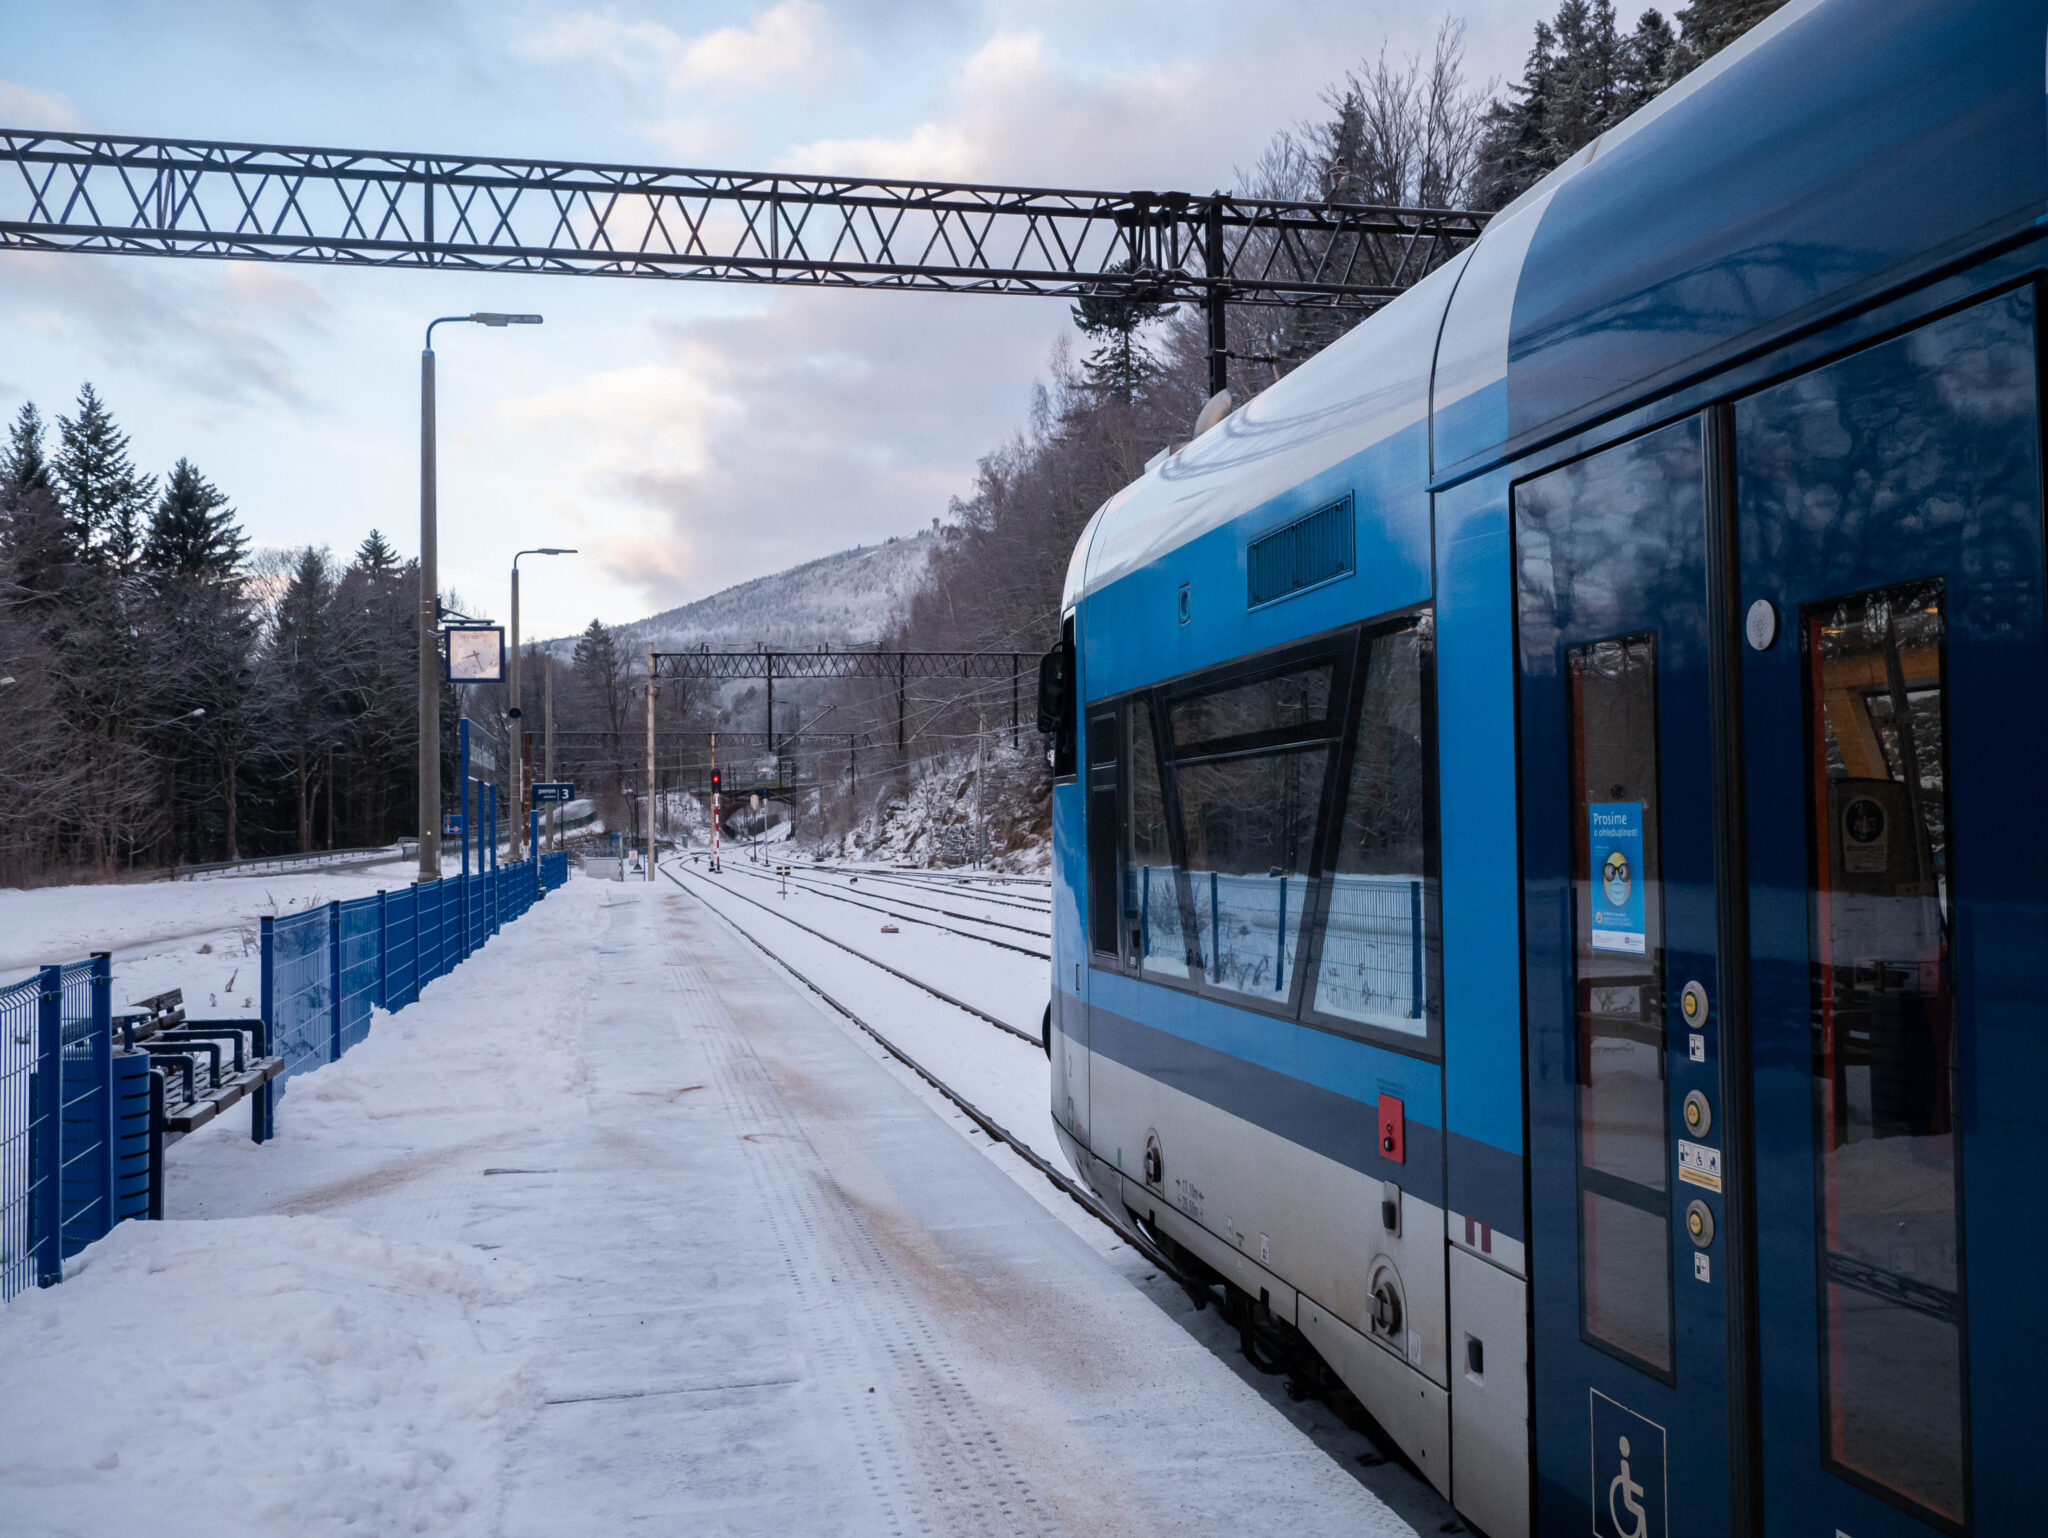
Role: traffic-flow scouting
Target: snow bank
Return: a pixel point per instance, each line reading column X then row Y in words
column 199, row 935
column 258, row 1375
column 933, row 823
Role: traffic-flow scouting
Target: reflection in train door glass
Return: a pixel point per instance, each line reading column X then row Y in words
column 1884, row 1051
column 1102, row 833
column 1152, row 916
column 1624, row 1193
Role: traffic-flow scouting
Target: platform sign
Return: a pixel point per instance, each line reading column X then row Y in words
column 479, row 746
column 476, row 654
column 553, row 792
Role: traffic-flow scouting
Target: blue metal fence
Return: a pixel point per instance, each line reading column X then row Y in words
column 324, row 968
column 23, row 1112
column 74, row 1112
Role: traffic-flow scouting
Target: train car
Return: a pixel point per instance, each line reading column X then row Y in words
column 1548, row 818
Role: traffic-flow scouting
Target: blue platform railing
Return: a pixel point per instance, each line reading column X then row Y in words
column 323, row 969
column 74, row 1117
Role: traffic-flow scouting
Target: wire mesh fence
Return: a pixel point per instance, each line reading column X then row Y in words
column 325, row 968
column 81, row 1130
column 21, row 1115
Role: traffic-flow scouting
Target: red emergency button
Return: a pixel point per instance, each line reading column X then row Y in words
column 1393, row 1130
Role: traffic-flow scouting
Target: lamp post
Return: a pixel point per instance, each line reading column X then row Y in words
column 430, row 601
column 516, row 713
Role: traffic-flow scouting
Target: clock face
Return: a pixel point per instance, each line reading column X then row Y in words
column 476, row 656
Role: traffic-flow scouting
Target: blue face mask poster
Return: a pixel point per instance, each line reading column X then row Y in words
column 1615, row 829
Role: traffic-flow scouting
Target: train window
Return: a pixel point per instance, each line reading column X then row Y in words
column 1250, row 825
column 1152, row 887
column 1883, row 1051
column 1102, row 833
column 1617, row 882
column 1251, row 755
column 1379, row 960
column 1271, row 707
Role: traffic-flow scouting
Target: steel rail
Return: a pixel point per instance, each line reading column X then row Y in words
column 821, row 891
column 936, row 891
column 915, row 982
column 1007, row 900
column 1082, row 1197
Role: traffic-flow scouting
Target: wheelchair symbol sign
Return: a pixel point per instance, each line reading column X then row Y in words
column 1629, row 1492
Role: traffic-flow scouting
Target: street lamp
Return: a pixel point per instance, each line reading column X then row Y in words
column 430, row 600
column 518, row 722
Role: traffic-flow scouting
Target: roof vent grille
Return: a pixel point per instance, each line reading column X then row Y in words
column 1306, row 553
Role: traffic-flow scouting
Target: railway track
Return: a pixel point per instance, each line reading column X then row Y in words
column 1028, row 902
column 915, row 982
column 796, row 879
column 1081, row 1196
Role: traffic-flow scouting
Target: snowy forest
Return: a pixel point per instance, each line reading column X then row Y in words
column 168, row 696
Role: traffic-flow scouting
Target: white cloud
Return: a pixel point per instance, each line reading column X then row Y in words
column 24, row 107
column 221, row 331
column 759, row 440
column 1012, row 111
column 789, row 45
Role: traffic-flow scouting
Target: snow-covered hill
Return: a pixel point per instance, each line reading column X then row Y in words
column 845, row 599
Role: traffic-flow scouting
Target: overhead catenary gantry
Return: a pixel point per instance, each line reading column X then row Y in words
column 256, row 202
column 823, row 662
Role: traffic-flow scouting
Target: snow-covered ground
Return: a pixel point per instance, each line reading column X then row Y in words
column 617, row 1229
column 197, row 935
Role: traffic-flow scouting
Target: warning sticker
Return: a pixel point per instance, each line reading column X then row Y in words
column 1699, row 1165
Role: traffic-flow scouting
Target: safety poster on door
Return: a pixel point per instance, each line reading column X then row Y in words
column 1615, row 829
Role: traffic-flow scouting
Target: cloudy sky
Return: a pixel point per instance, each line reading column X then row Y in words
column 682, row 436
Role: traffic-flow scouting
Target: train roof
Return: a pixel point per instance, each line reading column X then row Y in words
column 1842, row 150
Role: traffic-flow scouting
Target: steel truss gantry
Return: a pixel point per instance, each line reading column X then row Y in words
column 823, row 662
column 257, row 202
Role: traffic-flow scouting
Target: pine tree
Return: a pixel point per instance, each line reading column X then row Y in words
column 375, row 557
column 1648, row 63
column 35, row 554
column 104, row 497
column 193, row 531
column 1583, row 100
column 23, row 466
column 303, row 681
column 376, row 662
column 1120, row 366
column 1583, row 77
column 600, row 691
column 1707, row 26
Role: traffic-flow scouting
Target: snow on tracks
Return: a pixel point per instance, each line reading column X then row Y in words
column 1006, row 1077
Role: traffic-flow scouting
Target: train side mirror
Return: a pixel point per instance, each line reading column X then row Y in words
column 1058, row 704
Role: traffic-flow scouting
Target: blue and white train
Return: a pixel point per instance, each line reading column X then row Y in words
column 1550, row 823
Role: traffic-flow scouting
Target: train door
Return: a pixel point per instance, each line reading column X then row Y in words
column 1783, row 683
column 1894, row 695
column 1629, row 1294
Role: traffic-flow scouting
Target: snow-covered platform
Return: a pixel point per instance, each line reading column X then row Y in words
column 618, row 1230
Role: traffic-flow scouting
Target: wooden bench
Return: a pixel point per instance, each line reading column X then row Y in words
column 204, row 1066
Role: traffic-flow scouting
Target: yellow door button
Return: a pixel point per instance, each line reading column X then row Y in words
column 1699, row 1224
column 1699, row 1116
column 1692, row 1003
